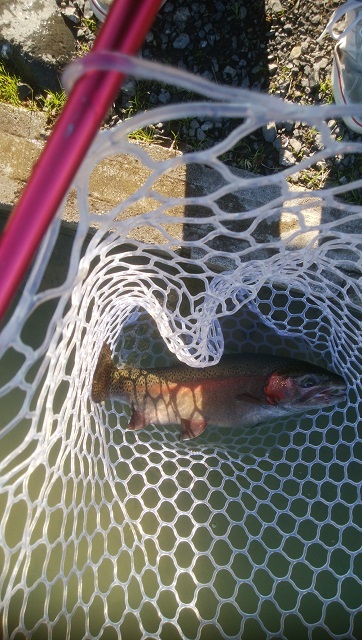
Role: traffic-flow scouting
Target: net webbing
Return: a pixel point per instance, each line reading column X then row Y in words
column 255, row 533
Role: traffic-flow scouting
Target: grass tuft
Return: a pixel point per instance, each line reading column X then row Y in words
column 9, row 87
column 52, row 104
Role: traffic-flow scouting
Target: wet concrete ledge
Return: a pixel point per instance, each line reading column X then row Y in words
column 23, row 135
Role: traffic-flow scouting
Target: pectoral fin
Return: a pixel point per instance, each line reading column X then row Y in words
column 246, row 399
column 191, row 428
column 137, row 420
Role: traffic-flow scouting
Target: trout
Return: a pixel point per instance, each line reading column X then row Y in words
column 243, row 390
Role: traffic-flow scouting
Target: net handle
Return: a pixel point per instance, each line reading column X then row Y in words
column 124, row 30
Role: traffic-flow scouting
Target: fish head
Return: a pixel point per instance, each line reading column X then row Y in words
column 306, row 387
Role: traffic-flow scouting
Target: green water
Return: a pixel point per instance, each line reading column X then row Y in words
column 181, row 539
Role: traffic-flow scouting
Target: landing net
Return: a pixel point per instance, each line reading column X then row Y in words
column 109, row 533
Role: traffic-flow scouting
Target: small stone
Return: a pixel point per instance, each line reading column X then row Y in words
column 319, row 141
column 200, row 135
column 272, row 68
column 181, row 15
column 129, row 87
column 164, row 96
column 208, row 75
column 229, row 71
column 296, row 146
column 206, row 126
column 164, row 39
column 286, row 158
column 277, row 144
column 5, row 51
column 269, row 132
column 242, row 13
column 296, row 52
column 276, row 6
column 323, row 63
column 182, row 41
column 71, row 14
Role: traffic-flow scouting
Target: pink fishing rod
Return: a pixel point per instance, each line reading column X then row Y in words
column 124, row 30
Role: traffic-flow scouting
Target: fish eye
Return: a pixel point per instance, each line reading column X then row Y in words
column 309, row 381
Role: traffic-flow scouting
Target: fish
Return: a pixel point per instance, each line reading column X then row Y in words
column 242, row 390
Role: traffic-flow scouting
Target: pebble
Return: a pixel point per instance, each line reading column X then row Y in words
column 269, row 47
column 200, row 135
column 229, row 71
column 129, row 86
column 181, row 15
column 286, row 158
column 296, row 52
column 72, row 14
column 272, row 68
column 269, row 132
column 276, row 6
column 182, row 41
column 295, row 145
column 322, row 63
column 164, row 96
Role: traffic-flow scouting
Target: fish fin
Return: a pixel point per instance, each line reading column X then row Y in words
column 191, row 428
column 137, row 420
column 244, row 397
column 102, row 375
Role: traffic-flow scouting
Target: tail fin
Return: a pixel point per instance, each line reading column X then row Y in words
column 102, row 375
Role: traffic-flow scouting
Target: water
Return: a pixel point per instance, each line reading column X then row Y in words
column 247, row 535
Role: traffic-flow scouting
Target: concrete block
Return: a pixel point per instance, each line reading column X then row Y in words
column 36, row 40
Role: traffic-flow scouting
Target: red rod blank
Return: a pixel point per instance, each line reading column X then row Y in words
column 124, row 30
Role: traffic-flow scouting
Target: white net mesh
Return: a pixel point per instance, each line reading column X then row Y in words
column 254, row 533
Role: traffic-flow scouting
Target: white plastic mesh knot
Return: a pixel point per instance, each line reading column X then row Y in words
column 108, row 533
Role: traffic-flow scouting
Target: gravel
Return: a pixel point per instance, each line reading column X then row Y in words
column 264, row 45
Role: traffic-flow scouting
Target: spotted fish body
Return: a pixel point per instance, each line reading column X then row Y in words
column 241, row 391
